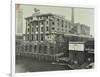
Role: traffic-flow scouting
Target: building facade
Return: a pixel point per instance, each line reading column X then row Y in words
column 48, row 34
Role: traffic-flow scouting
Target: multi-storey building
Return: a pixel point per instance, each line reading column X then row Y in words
column 42, row 31
column 46, row 33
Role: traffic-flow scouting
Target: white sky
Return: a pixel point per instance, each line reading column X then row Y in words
column 81, row 15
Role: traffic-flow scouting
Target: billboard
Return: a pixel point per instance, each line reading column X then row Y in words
column 76, row 46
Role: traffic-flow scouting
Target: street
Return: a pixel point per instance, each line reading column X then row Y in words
column 24, row 64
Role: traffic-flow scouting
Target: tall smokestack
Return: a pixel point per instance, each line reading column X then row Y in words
column 72, row 16
column 19, row 19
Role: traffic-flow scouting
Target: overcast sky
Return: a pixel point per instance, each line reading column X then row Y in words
column 81, row 15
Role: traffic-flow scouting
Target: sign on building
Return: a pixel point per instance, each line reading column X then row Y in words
column 76, row 46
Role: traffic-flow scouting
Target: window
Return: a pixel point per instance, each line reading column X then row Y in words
column 36, row 23
column 37, row 17
column 31, row 18
column 26, row 47
column 66, row 26
column 52, row 23
column 53, row 28
column 28, row 29
column 30, row 48
column 41, row 37
column 40, row 17
column 45, row 49
column 42, row 23
column 62, row 25
column 62, row 29
column 51, row 48
column 47, row 17
column 35, row 47
column 36, row 36
column 62, row 21
column 42, row 29
column 28, row 24
column 58, row 20
column 47, row 28
column 32, row 29
column 32, row 36
column 40, row 47
column 28, row 20
column 58, row 23
column 47, row 22
column 37, row 29
column 69, row 25
column 28, row 37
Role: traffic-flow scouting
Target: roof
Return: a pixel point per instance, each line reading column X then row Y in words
column 84, row 36
column 46, row 14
